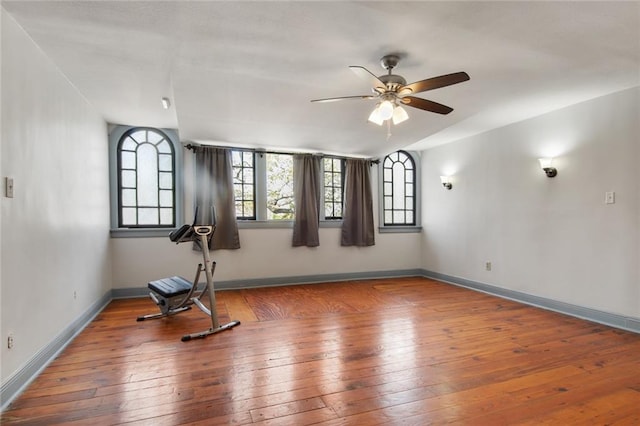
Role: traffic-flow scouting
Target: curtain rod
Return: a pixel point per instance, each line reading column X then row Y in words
column 192, row 147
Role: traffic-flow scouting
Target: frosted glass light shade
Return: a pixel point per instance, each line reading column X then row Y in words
column 399, row 115
column 545, row 163
column 385, row 109
column 375, row 116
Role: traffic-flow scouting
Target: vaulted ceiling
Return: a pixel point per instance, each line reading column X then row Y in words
column 243, row 73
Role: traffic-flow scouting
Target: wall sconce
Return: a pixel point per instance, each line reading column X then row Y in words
column 545, row 163
column 446, row 181
column 166, row 103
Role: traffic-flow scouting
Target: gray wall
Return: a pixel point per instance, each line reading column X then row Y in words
column 55, row 251
column 549, row 237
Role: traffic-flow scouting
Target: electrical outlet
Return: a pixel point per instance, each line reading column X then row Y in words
column 487, row 266
column 10, row 341
column 609, row 197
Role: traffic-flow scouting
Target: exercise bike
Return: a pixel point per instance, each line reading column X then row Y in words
column 176, row 294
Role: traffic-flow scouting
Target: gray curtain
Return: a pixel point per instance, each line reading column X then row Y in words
column 214, row 188
column 357, row 220
column 306, row 196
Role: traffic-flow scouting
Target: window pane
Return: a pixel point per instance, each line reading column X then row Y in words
column 409, row 189
column 128, row 179
column 166, row 198
column 139, row 136
column 236, row 158
column 247, row 175
column 388, row 217
column 129, row 144
column 165, row 162
column 166, row 180
column 129, row 216
column 148, row 216
column 279, row 187
column 129, row 197
column 153, row 137
column 147, row 175
column 166, row 216
column 164, row 146
column 128, row 160
column 247, row 208
column 408, row 205
column 247, row 192
column 388, row 205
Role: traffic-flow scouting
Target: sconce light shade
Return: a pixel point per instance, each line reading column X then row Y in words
column 545, row 164
column 166, row 103
column 446, row 182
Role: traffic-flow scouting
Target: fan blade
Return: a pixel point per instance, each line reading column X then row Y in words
column 367, row 75
column 426, row 105
column 342, row 98
column 433, row 83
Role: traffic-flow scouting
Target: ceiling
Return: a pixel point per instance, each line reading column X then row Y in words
column 243, row 73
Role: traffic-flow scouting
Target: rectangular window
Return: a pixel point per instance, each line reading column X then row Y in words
column 333, row 187
column 244, row 184
column 279, row 171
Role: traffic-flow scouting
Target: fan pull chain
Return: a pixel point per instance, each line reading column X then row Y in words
column 388, row 130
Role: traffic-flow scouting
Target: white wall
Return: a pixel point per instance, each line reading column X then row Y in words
column 549, row 237
column 55, row 238
column 264, row 253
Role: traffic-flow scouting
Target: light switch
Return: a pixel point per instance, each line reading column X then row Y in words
column 9, row 187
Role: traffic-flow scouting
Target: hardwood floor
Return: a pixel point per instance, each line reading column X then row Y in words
column 407, row 351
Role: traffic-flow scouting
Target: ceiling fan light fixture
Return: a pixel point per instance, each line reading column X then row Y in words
column 385, row 110
column 399, row 115
column 375, row 116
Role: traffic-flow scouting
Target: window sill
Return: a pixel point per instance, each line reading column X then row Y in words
column 141, row 233
column 282, row 224
column 242, row 224
column 399, row 229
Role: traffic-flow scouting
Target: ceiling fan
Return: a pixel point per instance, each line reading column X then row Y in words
column 392, row 91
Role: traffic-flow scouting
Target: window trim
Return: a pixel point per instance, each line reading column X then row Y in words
column 382, row 228
column 116, row 132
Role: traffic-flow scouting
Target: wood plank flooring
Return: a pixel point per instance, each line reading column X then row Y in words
column 408, row 351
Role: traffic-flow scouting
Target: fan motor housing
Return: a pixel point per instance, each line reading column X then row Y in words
column 392, row 80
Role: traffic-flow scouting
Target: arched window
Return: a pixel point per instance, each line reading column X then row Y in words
column 399, row 189
column 146, row 179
